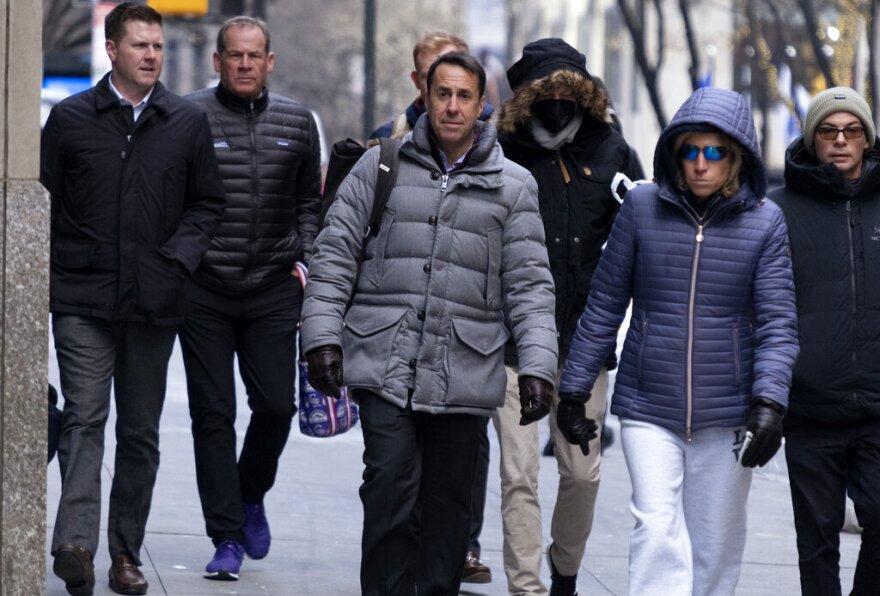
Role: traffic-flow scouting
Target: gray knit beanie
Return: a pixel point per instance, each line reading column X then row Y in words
column 837, row 99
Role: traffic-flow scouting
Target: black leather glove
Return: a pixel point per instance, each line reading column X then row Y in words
column 765, row 424
column 325, row 369
column 571, row 418
column 535, row 397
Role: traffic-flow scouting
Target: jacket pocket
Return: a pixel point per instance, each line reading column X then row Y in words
column 475, row 363
column 160, row 286
column 367, row 341
column 72, row 254
column 493, row 269
column 173, row 190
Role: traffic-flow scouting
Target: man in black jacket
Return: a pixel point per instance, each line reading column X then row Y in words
column 831, row 201
column 559, row 126
column 244, row 300
column 135, row 199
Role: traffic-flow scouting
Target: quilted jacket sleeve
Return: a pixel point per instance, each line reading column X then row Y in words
column 528, row 287
column 610, row 294
column 775, row 315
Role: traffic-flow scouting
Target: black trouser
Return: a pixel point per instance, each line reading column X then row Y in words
column 825, row 462
column 478, row 494
column 415, row 457
column 261, row 330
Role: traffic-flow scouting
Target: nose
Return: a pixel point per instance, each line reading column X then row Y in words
column 453, row 104
column 245, row 63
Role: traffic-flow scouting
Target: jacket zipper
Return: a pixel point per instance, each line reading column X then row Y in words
column 690, row 331
column 252, row 133
column 852, row 274
column 445, row 179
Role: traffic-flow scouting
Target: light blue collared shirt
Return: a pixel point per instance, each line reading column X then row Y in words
column 137, row 109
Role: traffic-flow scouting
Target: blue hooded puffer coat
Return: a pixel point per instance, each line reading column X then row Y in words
column 713, row 320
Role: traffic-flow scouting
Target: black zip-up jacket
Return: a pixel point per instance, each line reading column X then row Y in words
column 132, row 208
column 270, row 160
column 834, row 228
column 574, row 190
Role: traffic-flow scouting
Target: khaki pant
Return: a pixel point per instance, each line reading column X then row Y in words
column 520, row 509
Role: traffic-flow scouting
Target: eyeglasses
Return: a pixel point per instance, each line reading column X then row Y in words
column 710, row 152
column 829, row 133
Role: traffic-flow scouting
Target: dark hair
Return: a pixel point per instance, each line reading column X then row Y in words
column 465, row 61
column 241, row 21
column 116, row 20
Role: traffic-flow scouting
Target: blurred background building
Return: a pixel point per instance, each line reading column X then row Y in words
column 349, row 60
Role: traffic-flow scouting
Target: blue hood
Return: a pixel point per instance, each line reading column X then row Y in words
column 725, row 110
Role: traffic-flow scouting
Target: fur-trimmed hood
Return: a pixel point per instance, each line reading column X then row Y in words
column 591, row 96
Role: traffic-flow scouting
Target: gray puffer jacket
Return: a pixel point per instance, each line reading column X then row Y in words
column 458, row 260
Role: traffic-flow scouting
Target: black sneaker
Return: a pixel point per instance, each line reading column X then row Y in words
column 563, row 585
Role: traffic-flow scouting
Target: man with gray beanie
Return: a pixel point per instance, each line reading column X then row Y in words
column 831, row 201
column 559, row 126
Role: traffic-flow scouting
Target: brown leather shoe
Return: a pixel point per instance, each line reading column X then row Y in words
column 126, row 578
column 73, row 563
column 475, row 571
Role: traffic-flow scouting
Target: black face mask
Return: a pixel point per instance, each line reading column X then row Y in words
column 555, row 114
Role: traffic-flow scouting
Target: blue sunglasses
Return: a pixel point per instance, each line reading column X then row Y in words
column 710, row 152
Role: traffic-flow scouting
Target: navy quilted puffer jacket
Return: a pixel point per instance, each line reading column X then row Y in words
column 713, row 320
column 270, row 161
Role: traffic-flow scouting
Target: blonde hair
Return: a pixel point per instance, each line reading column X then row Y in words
column 731, row 183
column 434, row 41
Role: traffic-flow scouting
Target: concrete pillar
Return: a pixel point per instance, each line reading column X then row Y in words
column 24, row 303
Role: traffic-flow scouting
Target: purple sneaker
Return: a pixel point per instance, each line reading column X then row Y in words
column 257, row 537
column 226, row 562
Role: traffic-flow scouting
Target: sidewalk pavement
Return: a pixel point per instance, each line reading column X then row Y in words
column 316, row 519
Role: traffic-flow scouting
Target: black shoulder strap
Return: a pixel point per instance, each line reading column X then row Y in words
column 389, row 159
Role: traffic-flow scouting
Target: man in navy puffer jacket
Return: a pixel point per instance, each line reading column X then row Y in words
column 244, row 301
column 706, row 365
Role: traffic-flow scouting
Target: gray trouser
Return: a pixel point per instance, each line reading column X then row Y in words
column 689, row 503
column 92, row 354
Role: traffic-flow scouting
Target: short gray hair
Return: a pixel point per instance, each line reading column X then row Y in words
column 241, row 21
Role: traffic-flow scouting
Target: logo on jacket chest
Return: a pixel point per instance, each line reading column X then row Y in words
column 875, row 237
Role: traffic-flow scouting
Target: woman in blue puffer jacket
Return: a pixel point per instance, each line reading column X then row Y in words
column 706, row 365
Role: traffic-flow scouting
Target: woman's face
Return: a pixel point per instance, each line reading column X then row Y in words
column 706, row 168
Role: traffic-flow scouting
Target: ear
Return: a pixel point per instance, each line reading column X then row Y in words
column 110, row 47
column 414, row 76
column 270, row 62
column 217, row 63
column 482, row 104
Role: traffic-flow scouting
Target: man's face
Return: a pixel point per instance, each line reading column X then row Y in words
column 426, row 59
column 846, row 154
column 454, row 104
column 137, row 58
column 244, row 64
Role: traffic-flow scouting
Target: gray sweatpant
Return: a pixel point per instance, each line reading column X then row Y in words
column 689, row 503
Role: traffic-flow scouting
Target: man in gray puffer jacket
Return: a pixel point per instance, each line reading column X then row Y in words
column 456, row 267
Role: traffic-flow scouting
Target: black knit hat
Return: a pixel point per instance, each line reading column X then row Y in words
column 544, row 57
